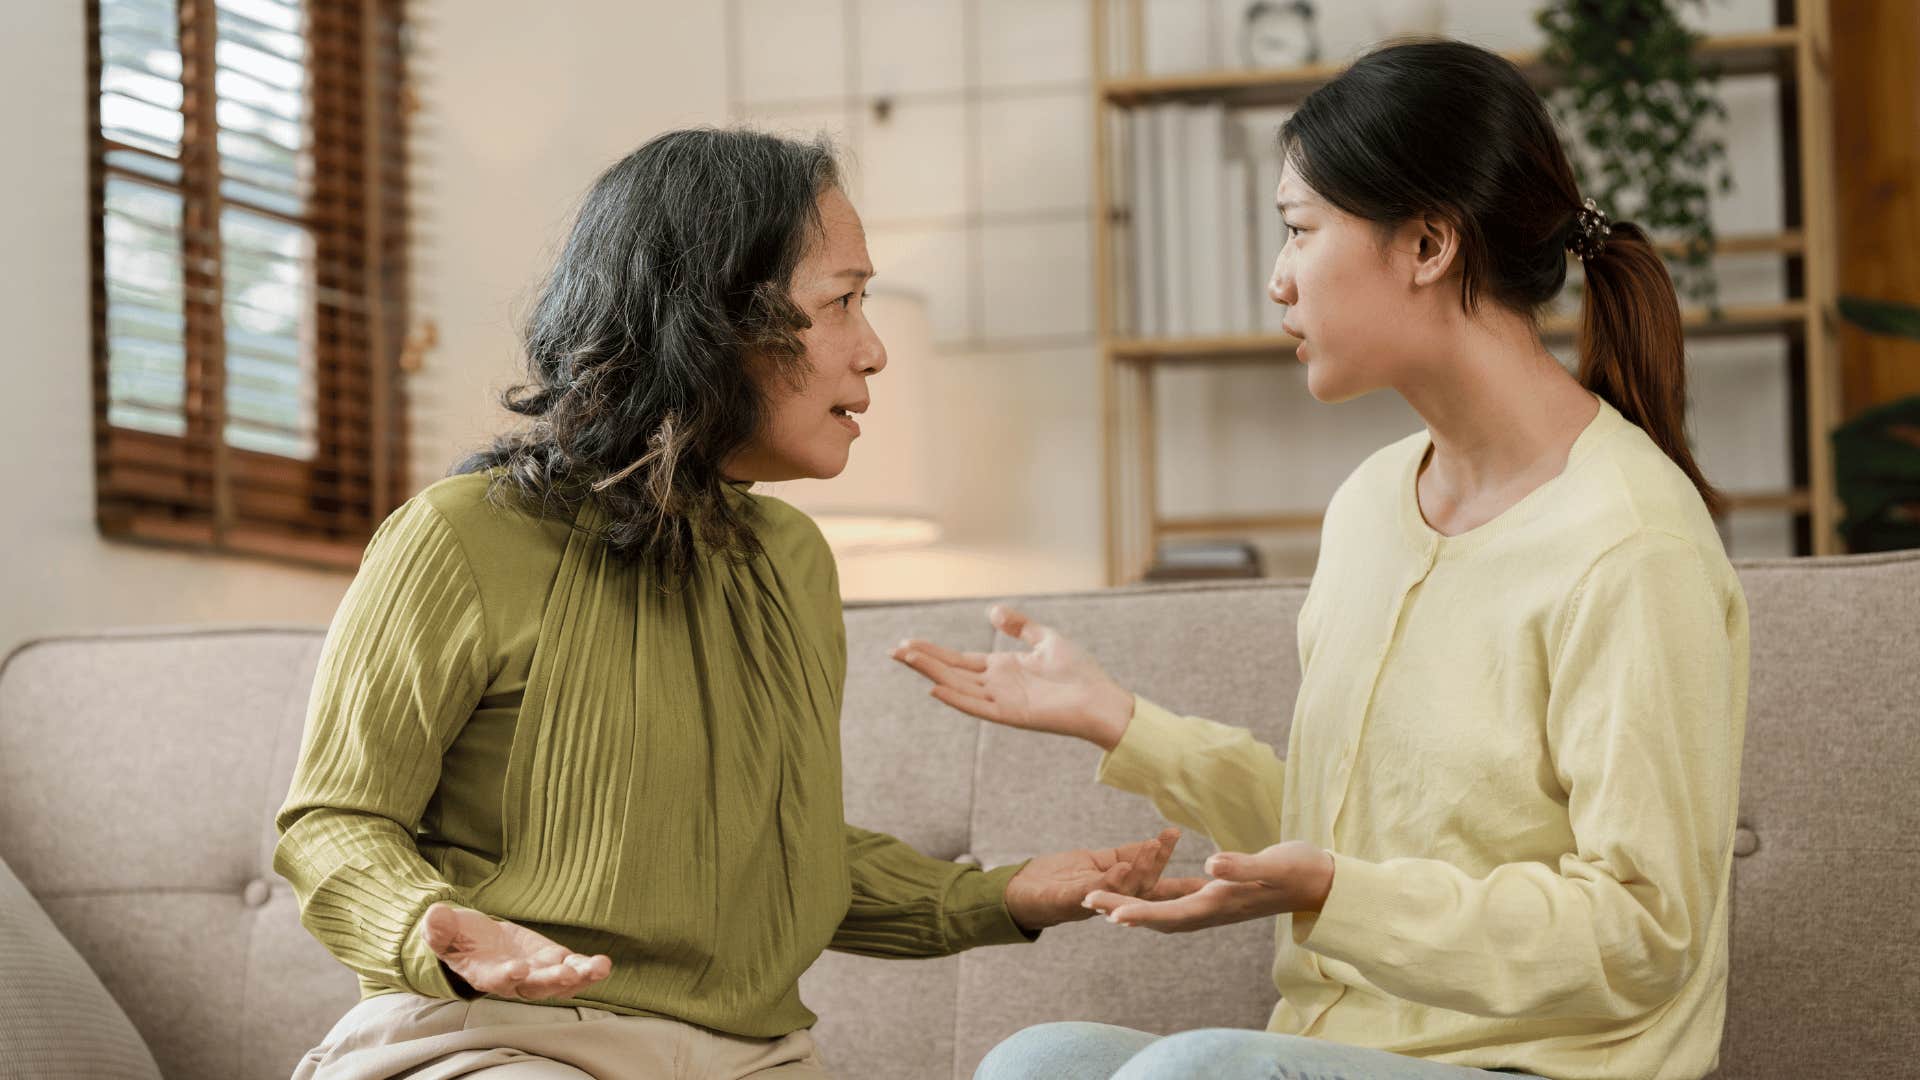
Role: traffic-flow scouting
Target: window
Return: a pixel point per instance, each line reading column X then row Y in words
column 249, row 267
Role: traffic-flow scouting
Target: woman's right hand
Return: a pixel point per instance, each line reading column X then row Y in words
column 505, row 959
column 1053, row 686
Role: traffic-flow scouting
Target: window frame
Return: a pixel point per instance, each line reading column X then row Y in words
column 195, row 491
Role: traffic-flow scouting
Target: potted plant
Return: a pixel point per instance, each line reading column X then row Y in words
column 1876, row 455
column 1639, row 101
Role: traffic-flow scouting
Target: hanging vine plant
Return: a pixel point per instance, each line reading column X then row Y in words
column 1639, row 100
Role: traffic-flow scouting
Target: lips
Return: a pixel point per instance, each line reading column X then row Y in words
column 844, row 414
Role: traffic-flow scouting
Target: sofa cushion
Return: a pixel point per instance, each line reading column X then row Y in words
column 56, row 1020
column 139, row 774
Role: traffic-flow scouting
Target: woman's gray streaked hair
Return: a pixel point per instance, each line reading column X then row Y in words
column 642, row 349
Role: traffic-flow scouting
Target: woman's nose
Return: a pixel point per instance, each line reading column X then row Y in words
column 872, row 358
column 1280, row 288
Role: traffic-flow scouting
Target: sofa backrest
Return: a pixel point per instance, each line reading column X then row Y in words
column 139, row 772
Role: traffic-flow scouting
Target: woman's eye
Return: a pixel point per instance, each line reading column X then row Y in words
column 846, row 301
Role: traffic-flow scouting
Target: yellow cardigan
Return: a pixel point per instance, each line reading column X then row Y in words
column 1522, row 745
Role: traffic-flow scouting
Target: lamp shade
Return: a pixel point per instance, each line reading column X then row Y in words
column 884, row 498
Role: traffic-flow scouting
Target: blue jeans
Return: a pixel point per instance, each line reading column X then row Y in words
column 1083, row 1051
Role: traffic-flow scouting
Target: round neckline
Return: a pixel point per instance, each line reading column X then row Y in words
column 1426, row 538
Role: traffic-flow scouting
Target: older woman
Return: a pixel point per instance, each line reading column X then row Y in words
column 569, row 796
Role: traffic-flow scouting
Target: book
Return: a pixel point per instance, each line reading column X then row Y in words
column 1149, row 291
column 1206, row 232
column 1243, row 281
column 1169, row 122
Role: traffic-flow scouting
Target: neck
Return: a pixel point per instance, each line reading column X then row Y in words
column 1497, row 404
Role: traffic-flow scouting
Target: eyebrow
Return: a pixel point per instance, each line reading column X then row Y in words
column 857, row 275
column 1284, row 205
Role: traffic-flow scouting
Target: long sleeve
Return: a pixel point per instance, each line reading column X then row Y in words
column 1202, row 775
column 403, row 665
column 1643, row 729
column 906, row 904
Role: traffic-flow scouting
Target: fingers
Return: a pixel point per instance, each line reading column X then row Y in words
column 1176, row 887
column 971, row 704
column 564, row 978
column 1014, row 624
column 1236, row 866
column 940, row 672
column 491, row 976
column 1214, row 903
column 970, row 661
column 1149, row 859
column 1163, row 847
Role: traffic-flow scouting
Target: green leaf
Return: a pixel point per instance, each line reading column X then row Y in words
column 1887, row 317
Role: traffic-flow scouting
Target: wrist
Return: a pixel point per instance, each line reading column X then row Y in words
column 1107, row 715
column 1324, row 887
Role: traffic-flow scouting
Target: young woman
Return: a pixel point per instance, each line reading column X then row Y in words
column 573, row 750
column 1501, row 833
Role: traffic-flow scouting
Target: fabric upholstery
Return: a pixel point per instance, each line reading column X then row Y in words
column 56, row 1021
column 139, row 772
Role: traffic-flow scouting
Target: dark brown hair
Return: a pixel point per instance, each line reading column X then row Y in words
column 673, row 286
column 1447, row 128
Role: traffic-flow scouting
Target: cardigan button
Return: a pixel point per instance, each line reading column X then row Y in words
column 1745, row 841
column 967, row 858
column 257, row 893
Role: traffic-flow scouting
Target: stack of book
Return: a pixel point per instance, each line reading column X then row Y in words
column 1204, row 229
column 1203, row 559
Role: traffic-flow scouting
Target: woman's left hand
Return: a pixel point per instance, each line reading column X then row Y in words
column 1049, row 889
column 1294, row 876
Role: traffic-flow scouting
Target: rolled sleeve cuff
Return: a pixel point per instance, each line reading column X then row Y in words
column 422, row 969
column 1351, row 925
column 977, row 910
column 1147, row 749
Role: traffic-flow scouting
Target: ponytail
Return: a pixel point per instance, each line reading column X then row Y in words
column 1632, row 352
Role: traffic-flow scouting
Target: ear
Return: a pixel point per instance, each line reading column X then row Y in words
column 1435, row 245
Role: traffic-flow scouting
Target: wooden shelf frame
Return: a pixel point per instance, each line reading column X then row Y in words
column 1797, row 54
column 1796, row 500
column 1762, row 52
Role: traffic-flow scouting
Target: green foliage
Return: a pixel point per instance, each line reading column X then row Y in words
column 1889, row 317
column 1633, row 92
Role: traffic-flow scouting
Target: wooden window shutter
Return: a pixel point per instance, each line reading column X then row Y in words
column 249, row 273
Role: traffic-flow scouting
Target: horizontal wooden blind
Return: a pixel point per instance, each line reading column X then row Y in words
column 249, row 198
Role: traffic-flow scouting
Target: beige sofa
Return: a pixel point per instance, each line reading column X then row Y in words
column 139, row 772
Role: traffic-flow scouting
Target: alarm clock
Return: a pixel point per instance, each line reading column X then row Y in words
column 1280, row 34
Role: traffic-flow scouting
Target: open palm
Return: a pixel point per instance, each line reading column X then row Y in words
column 1053, row 685
column 506, row 959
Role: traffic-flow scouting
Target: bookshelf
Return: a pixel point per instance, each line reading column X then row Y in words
column 1130, row 355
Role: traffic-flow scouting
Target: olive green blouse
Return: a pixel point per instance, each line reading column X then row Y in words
column 508, row 717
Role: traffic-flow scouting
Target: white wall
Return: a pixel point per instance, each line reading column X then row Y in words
column 57, row 574
column 975, row 193
column 525, row 104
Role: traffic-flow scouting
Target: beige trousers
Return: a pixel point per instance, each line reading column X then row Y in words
column 423, row 1038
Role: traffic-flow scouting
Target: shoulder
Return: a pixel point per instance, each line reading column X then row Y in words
column 509, row 550
column 1373, row 487
column 1630, row 496
column 788, row 535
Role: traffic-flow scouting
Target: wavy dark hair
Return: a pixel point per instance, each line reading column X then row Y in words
column 654, row 338
column 1448, row 128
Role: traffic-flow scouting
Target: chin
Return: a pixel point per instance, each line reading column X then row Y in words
column 828, row 466
column 1329, row 387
